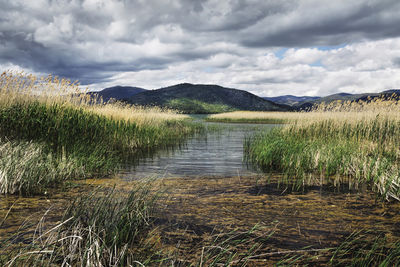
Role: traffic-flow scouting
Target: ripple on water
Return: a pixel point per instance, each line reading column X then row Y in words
column 218, row 153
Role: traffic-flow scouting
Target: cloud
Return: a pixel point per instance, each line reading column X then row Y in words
column 316, row 23
column 233, row 43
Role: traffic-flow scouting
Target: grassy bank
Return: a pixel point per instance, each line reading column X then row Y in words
column 352, row 143
column 57, row 134
column 253, row 117
column 193, row 106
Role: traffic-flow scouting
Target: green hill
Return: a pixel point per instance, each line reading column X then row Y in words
column 200, row 98
column 117, row 92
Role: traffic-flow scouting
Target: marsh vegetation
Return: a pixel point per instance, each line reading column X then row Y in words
column 51, row 132
column 352, row 143
column 327, row 194
column 253, row 117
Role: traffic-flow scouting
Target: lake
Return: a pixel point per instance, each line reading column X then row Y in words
column 218, row 152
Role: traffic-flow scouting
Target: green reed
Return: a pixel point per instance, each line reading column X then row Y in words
column 247, row 120
column 327, row 151
column 26, row 168
column 80, row 138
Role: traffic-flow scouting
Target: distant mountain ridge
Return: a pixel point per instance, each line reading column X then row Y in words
column 208, row 98
column 203, row 98
column 291, row 99
column 117, row 92
column 307, row 102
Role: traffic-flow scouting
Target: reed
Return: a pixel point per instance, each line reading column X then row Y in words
column 101, row 228
column 26, row 167
column 352, row 143
column 253, row 117
column 73, row 131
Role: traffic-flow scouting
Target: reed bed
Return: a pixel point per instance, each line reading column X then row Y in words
column 138, row 114
column 72, row 130
column 25, row 167
column 341, row 143
column 254, row 117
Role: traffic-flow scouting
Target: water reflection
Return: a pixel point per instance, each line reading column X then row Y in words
column 218, row 152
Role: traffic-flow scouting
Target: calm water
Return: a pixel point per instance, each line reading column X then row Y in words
column 216, row 153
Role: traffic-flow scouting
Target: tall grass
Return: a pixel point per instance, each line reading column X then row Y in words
column 25, row 167
column 253, row 117
column 352, row 143
column 94, row 138
column 366, row 248
column 102, row 228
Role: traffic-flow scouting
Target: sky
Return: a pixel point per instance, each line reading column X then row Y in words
column 267, row 47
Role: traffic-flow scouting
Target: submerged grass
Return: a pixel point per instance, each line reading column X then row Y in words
column 99, row 229
column 113, row 229
column 363, row 248
column 72, row 131
column 357, row 145
column 110, row 228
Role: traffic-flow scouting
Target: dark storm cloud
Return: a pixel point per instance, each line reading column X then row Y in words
column 92, row 40
column 276, row 80
column 396, row 62
column 20, row 50
column 319, row 26
column 236, row 16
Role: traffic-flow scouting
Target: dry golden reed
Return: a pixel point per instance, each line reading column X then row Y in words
column 23, row 88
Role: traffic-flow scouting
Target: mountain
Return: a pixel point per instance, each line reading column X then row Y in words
column 201, row 98
column 349, row 97
column 291, row 100
column 118, row 92
column 390, row 92
column 343, row 97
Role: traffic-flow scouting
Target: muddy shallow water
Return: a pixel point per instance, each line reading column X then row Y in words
column 316, row 218
column 192, row 210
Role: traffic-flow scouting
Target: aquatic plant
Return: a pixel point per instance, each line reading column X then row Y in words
column 354, row 143
column 101, row 228
column 110, row 228
column 252, row 117
column 94, row 138
column 26, row 168
column 366, row 248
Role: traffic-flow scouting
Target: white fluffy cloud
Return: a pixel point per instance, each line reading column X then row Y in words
column 304, row 47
